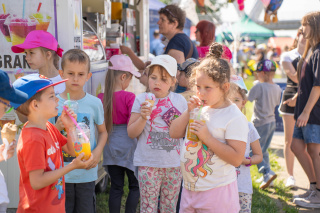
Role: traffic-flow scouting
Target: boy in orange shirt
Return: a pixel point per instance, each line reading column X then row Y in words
column 40, row 146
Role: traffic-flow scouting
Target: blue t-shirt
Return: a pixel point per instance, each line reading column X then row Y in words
column 182, row 43
column 90, row 112
column 156, row 47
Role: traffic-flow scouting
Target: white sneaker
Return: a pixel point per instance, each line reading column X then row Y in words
column 271, row 184
column 313, row 201
column 259, row 180
column 291, row 182
column 306, row 194
column 267, row 179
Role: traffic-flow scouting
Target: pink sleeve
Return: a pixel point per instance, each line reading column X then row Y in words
column 130, row 100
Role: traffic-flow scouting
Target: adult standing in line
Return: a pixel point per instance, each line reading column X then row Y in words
column 289, row 61
column 306, row 137
column 171, row 23
column 205, row 34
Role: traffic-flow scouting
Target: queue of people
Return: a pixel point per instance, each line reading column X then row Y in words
column 184, row 152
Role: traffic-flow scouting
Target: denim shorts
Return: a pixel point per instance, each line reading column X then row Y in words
column 309, row 133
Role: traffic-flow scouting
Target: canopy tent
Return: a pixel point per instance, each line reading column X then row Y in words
column 245, row 28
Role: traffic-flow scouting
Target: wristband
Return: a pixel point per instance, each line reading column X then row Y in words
column 247, row 165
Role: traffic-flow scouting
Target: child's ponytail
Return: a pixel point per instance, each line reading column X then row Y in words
column 54, row 54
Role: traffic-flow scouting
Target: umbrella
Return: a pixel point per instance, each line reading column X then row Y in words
column 246, row 28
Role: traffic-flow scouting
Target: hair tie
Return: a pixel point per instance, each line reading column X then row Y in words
column 59, row 52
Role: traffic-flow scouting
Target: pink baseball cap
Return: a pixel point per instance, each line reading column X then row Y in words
column 38, row 38
column 123, row 63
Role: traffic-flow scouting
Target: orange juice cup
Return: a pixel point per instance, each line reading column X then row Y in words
column 43, row 21
column 81, row 145
column 193, row 116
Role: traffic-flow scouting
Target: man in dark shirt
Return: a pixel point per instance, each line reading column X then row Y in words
column 171, row 23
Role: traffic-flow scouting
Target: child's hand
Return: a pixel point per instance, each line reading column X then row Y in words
column 66, row 120
column 10, row 151
column 193, row 103
column 96, row 159
column 80, row 164
column 59, row 124
column 200, row 129
column 145, row 110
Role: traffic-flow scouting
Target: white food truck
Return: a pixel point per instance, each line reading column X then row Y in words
column 91, row 25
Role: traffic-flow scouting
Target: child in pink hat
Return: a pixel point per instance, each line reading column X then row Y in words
column 118, row 152
column 42, row 53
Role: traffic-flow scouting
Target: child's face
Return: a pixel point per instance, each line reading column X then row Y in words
column 182, row 79
column 210, row 92
column 77, row 73
column 35, row 58
column 159, row 84
column 48, row 104
column 236, row 98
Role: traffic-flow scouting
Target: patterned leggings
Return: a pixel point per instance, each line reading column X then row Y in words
column 152, row 181
column 245, row 202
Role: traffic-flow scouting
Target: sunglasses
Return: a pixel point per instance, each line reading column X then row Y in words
column 170, row 13
column 8, row 106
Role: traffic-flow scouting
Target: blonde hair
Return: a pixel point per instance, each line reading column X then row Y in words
column 313, row 20
column 214, row 66
column 54, row 54
column 108, row 102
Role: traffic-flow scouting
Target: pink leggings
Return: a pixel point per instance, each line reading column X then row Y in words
column 152, row 181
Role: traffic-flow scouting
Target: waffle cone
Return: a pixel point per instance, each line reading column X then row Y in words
column 9, row 132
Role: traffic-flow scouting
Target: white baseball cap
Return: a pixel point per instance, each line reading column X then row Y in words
column 167, row 62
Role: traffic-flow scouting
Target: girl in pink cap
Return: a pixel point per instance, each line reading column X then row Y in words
column 42, row 53
column 119, row 150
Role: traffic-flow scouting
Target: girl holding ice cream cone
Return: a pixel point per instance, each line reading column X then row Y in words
column 157, row 154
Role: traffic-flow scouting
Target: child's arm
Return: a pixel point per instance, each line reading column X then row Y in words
column 138, row 121
column 40, row 179
column 232, row 152
column 290, row 71
column 102, row 140
column 257, row 154
column 179, row 125
column 312, row 100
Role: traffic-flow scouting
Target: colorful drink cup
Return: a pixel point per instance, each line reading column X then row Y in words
column 4, row 28
column 81, row 145
column 19, row 28
column 194, row 115
column 43, row 21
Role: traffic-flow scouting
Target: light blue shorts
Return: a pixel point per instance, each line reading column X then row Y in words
column 309, row 133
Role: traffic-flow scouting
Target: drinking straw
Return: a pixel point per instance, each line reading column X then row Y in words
column 68, row 99
column 75, row 123
column 199, row 113
column 39, row 7
column 4, row 8
column 23, row 8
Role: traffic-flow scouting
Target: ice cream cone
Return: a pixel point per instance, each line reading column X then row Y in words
column 9, row 132
column 151, row 102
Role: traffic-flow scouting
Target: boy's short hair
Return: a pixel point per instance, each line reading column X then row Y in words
column 24, row 108
column 75, row 55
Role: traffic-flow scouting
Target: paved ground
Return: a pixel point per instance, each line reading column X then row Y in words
column 302, row 182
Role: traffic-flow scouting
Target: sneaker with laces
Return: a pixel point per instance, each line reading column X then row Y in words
column 267, row 179
column 306, row 194
column 313, row 201
column 291, row 182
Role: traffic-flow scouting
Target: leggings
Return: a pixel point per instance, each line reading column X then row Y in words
column 245, row 202
column 154, row 181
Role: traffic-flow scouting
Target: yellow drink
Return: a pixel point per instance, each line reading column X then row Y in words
column 191, row 136
column 82, row 148
column 116, row 10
